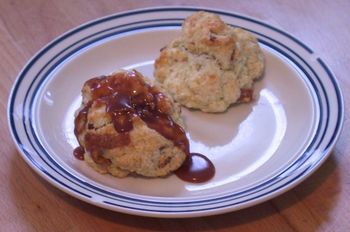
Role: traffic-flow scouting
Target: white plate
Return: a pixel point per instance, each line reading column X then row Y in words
column 260, row 150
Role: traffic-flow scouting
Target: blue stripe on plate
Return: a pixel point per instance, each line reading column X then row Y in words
column 192, row 9
column 92, row 42
column 191, row 209
column 111, row 34
column 340, row 101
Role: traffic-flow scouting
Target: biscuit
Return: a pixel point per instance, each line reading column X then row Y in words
column 211, row 65
column 121, row 151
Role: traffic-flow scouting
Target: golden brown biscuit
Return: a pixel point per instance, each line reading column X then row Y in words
column 125, row 126
column 210, row 65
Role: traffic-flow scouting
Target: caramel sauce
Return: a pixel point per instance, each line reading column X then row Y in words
column 79, row 153
column 126, row 96
column 246, row 95
column 197, row 168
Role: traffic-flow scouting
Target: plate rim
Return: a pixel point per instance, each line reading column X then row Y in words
column 189, row 214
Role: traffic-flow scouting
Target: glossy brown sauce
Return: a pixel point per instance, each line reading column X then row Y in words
column 126, row 96
column 78, row 153
column 246, row 95
column 197, row 168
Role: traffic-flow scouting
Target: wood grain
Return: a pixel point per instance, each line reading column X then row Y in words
column 28, row 203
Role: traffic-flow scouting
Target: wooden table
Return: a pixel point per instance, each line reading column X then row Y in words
column 28, row 203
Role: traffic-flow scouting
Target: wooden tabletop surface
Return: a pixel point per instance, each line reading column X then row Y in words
column 28, row 203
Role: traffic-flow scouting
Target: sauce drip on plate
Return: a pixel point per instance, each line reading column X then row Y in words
column 197, row 168
column 79, row 153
